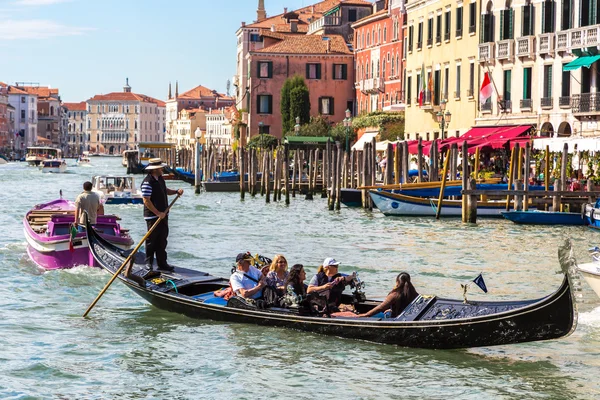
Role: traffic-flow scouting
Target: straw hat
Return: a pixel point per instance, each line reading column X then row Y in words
column 155, row 163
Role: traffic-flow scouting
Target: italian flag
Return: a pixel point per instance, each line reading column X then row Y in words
column 486, row 89
column 422, row 87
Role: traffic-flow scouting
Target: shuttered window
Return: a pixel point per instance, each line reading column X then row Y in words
column 326, row 106
column 265, row 104
column 506, row 24
column 526, row 83
column 265, row 69
column 548, row 12
column 340, row 71
column 313, row 71
column 547, row 81
column 527, row 13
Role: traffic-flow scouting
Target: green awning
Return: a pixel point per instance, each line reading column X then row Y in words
column 301, row 142
column 583, row 61
column 332, row 11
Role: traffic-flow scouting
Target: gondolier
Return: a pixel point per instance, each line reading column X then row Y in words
column 155, row 192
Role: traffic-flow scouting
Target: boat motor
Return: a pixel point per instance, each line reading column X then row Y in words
column 358, row 286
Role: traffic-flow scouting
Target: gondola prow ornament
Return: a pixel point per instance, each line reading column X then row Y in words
column 478, row 281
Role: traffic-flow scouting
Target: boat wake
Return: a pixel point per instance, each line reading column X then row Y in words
column 590, row 318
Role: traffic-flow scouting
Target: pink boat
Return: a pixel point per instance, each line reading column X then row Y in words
column 47, row 228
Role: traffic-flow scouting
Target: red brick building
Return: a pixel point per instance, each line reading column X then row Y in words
column 325, row 63
column 378, row 44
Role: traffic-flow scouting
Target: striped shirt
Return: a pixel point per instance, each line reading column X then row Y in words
column 147, row 192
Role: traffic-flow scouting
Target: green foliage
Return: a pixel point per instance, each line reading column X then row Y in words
column 263, row 141
column 392, row 131
column 377, row 119
column 318, row 126
column 288, row 117
column 338, row 133
column 299, row 106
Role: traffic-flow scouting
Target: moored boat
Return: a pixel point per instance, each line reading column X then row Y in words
column 117, row 189
column 591, row 214
column 55, row 166
column 538, row 217
column 47, row 230
column 428, row 322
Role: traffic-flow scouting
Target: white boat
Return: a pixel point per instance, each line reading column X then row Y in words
column 37, row 154
column 591, row 271
column 126, row 154
column 84, row 160
column 402, row 205
column 117, row 189
column 57, row 166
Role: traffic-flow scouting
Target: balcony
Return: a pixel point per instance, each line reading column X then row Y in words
column 526, row 105
column 470, row 93
column 547, row 103
column 506, row 50
column 546, row 43
column 486, row 108
column 525, row 46
column 429, row 42
column 323, row 22
column 372, row 85
column 472, row 29
column 457, row 95
column 577, row 38
column 486, row 52
column 585, row 103
column 505, row 105
column 562, row 40
column 564, row 102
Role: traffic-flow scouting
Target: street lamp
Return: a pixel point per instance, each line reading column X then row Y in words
column 348, row 124
column 197, row 176
column 297, row 126
column 260, row 132
column 443, row 117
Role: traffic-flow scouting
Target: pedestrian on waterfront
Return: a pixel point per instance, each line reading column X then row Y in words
column 278, row 273
column 89, row 202
column 155, row 192
column 247, row 281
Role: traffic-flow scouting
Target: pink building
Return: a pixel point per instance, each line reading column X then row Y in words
column 324, row 61
column 378, row 43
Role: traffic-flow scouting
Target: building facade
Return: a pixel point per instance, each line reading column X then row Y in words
column 441, row 66
column 379, row 65
column 526, row 47
column 325, row 63
column 322, row 18
column 198, row 98
column 48, row 114
column 25, row 112
column 5, row 136
column 119, row 121
column 76, row 120
column 185, row 125
column 219, row 127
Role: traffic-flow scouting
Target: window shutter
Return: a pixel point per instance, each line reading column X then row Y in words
column 331, row 108
column 307, row 71
column 502, row 25
column 270, row 69
column 345, row 71
column 318, row 71
column 524, row 20
column 259, row 111
column 481, row 29
column 258, row 69
column 270, row 104
column 553, row 15
column 549, row 82
column 544, row 17
column 320, row 105
column 531, row 19
column 592, row 14
column 511, row 14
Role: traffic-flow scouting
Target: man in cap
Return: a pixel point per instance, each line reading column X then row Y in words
column 155, row 192
column 329, row 280
column 247, row 281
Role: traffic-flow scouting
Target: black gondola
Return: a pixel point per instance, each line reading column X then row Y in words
column 428, row 322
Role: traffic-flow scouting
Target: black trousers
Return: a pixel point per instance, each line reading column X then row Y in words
column 156, row 244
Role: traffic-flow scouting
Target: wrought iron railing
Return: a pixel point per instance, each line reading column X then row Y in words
column 547, row 102
column 585, row 103
column 564, row 101
column 526, row 104
column 486, row 106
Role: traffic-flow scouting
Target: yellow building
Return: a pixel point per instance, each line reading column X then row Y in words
column 441, row 44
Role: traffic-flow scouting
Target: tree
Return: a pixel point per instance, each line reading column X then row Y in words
column 318, row 126
column 288, row 116
column 262, row 141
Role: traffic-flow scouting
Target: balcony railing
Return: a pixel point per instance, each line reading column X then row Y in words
column 429, row 42
column 546, row 43
column 470, row 93
column 526, row 104
column 525, row 47
column 486, row 51
column 472, row 29
column 505, row 105
column 585, row 103
column 459, row 32
column 457, row 94
column 328, row 20
column 577, row 38
column 562, row 40
column 506, row 49
column 547, row 103
column 486, row 107
column 373, row 85
column 564, row 101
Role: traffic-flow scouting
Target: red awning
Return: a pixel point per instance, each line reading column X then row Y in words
column 503, row 134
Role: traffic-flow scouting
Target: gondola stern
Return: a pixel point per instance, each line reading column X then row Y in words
column 568, row 265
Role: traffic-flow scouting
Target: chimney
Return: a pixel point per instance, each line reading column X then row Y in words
column 243, row 24
column 312, row 9
column 294, row 26
column 273, row 28
column 328, row 46
column 285, row 10
column 176, row 89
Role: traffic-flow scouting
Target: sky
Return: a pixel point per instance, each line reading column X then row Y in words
column 87, row 47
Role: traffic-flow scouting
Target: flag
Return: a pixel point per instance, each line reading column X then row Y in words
column 486, row 89
column 430, row 84
column 422, row 86
column 481, row 283
column 72, row 234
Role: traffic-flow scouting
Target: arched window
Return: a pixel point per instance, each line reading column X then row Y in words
column 385, row 33
column 393, row 69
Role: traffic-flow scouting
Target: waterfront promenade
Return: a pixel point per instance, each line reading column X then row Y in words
column 129, row 349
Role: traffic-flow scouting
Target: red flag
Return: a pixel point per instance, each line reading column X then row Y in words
column 486, row 89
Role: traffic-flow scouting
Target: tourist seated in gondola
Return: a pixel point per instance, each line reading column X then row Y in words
column 397, row 300
column 247, row 281
column 329, row 282
column 295, row 279
column 278, row 273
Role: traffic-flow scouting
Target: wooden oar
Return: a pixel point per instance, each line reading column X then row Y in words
column 444, row 176
column 129, row 257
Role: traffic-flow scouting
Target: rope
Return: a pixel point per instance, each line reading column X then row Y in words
column 174, row 286
column 433, row 206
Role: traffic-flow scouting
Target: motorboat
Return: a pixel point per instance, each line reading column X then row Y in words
column 57, row 166
column 36, row 154
column 84, row 160
column 114, row 189
column 52, row 245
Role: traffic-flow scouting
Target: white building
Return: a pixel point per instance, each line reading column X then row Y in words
column 526, row 46
column 75, row 119
column 219, row 127
column 26, row 121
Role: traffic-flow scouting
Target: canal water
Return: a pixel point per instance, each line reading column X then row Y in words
column 128, row 349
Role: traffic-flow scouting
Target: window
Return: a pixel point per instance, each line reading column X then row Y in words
column 420, row 36
column 436, row 87
column 326, row 106
column 408, row 90
column 438, row 31
column 264, row 129
column 430, row 32
column 548, row 10
column 393, row 71
column 565, row 90
column 526, row 83
column 340, row 71
column 507, row 87
column 265, row 104
column 22, row 99
column 447, row 25
column 385, row 33
column 383, row 69
column 547, row 90
column 459, row 21
column 410, row 37
column 352, row 16
column 457, row 88
column 255, row 37
column 471, row 78
column 265, row 69
column 22, row 114
column 446, row 80
column 472, row 17
column 313, row 71
column 506, row 24
column 567, row 10
column 527, row 14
